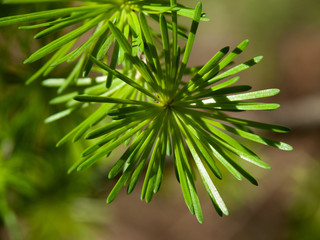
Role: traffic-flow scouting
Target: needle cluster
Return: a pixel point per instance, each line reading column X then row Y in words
column 154, row 102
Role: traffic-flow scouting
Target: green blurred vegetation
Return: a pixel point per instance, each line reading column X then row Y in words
column 304, row 210
column 38, row 199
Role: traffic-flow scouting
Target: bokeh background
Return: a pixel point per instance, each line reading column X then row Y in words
column 39, row 200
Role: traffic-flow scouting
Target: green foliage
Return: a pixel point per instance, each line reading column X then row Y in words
column 304, row 211
column 145, row 87
column 33, row 182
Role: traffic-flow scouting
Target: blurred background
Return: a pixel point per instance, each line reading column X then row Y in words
column 39, row 200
